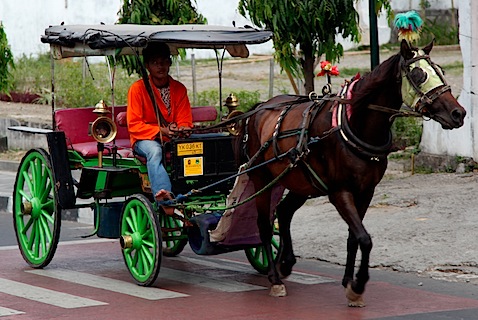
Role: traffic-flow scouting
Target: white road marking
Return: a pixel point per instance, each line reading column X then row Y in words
column 208, row 282
column 297, row 277
column 109, row 284
column 9, row 312
column 55, row 298
column 68, row 243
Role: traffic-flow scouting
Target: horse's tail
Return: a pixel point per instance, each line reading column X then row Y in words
column 239, row 143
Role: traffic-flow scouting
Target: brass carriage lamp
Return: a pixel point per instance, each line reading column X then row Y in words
column 231, row 102
column 103, row 129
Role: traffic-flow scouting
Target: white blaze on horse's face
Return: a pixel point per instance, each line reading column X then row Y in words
column 432, row 81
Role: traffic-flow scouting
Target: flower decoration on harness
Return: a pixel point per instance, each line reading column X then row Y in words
column 328, row 69
column 409, row 25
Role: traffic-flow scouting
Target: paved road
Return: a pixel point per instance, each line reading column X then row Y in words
column 87, row 279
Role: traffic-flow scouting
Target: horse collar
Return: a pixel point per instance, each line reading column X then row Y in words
column 342, row 115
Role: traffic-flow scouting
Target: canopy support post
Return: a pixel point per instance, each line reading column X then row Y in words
column 219, row 71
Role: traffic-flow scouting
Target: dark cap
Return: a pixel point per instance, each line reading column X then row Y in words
column 156, row 50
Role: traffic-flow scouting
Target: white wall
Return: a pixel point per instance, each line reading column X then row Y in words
column 463, row 141
column 26, row 20
column 405, row 5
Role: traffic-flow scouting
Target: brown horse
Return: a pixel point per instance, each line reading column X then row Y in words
column 338, row 146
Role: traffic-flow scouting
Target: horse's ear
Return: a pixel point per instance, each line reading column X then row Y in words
column 405, row 50
column 429, row 47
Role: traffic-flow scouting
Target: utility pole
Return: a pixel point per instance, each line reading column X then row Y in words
column 374, row 52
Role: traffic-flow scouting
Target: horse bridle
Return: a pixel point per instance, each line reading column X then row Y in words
column 424, row 97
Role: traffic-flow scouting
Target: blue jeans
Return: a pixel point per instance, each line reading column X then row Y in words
column 153, row 152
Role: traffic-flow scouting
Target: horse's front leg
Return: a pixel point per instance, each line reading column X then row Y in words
column 285, row 211
column 264, row 224
column 358, row 237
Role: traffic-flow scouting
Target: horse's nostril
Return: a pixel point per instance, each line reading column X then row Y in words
column 458, row 114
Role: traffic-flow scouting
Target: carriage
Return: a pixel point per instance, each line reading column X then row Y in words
column 89, row 162
column 334, row 145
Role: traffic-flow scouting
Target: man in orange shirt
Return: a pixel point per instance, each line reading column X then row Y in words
column 146, row 134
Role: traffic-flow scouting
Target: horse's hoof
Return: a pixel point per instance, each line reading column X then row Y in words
column 278, row 290
column 355, row 299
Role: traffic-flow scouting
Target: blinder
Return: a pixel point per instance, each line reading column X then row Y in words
column 420, row 76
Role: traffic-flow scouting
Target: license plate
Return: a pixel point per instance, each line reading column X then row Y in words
column 190, row 149
column 193, row 166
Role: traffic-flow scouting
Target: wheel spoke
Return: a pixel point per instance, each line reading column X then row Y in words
column 26, row 196
column 45, row 227
column 142, row 222
column 46, row 191
column 27, row 226
column 26, row 177
column 148, row 255
column 48, row 215
column 37, row 177
column 148, row 243
column 147, row 234
column 42, row 248
column 141, row 259
column 257, row 253
column 32, row 235
column 135, row 258
column 37, row 238
column 130, row 223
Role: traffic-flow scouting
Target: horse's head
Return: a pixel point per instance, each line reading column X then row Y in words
column 425, row 90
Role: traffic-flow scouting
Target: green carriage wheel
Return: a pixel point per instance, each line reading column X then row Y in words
column 141, row 239
column 174, row 240
column 36, row 214
column 257, row 256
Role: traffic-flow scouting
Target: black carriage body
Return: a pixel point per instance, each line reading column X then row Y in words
column 202, row 160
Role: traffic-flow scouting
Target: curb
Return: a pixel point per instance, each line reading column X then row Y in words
column 81, row 215
column 7, row 165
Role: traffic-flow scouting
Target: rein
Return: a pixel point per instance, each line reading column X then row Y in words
column 297, row 154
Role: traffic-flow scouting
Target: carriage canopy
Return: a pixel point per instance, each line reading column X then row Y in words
column 99, row 40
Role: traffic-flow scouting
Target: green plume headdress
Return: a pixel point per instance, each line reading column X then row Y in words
column 409, row 25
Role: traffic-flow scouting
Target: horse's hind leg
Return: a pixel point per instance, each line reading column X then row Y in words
column 264, row 224
column 285, row 211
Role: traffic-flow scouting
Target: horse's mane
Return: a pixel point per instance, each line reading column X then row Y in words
column 378, row 77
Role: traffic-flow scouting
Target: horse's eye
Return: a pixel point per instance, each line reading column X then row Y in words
column 418, row 75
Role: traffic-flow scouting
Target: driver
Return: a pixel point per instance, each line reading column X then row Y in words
column 145, row 134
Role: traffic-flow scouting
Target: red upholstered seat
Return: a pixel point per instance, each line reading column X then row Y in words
column 204, row 114
column 75, row 123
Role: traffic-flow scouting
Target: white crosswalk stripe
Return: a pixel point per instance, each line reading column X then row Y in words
column 298, row 277
column 9, row 312
column 109, row 284
column 55, row 298
column 224, row 285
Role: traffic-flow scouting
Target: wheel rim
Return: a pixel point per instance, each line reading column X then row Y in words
column 35, row 211
column 143, row 257
column 171, row 245
column 257, row 256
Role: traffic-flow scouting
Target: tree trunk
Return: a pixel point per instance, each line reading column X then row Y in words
column 308, row 68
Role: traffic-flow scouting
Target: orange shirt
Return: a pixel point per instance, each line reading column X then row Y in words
column 140, row 114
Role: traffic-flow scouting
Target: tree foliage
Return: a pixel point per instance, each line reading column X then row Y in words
column 6, row 63
column 305, row 30
column 156, row 12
